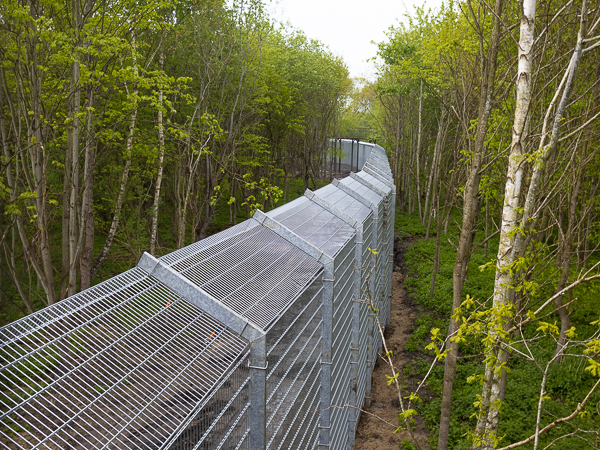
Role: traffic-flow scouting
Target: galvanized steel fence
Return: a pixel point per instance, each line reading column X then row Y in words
column 257, row 337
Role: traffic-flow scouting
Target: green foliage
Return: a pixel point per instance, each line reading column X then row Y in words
column 245, row 106
column 567, row 381
column 407, row 444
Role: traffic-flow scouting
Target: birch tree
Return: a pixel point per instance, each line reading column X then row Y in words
column 513, row 230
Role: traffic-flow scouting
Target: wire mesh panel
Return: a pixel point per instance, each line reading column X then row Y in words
column 294, row 369
column 251, row 270
column 386, row 239
column 335, row 238
column 222, row 421
column 124, row 371
column 364, row 216
column 385, row 189
column 377, row 240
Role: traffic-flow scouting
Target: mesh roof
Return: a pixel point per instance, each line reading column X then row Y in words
column 123, row 369
column 249, row 268
column 375, row 182
column 362, row 190
column 314, row 224
column 344, row 202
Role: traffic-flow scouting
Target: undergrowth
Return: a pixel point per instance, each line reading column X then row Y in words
column 568, row 382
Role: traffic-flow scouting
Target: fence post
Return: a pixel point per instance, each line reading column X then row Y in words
column 328, row 279
column 258, row 393
column 354, row 347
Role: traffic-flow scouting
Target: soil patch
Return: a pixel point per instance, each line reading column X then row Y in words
column 372, row 432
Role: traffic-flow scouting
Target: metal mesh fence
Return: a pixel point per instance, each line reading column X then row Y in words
column 293, row 380
column 257, row 337
column 348, row 155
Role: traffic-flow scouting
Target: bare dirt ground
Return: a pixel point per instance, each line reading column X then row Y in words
column 373, row 433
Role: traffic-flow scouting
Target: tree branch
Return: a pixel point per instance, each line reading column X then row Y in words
column 556, row 422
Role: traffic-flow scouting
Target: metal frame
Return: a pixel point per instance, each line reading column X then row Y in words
column 263, row 324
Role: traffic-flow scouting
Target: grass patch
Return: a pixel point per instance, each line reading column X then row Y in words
column 568, row 382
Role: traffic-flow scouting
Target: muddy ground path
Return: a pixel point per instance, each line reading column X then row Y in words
column 374, row 433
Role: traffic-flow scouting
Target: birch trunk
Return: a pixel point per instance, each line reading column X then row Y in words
column 161, row 157
column 565, row 263
column 549, row 138
column 11, row 183
column 87, row 210
column 435, row 169
column 73, row 148
column 511, row 241
column 121, row 197
column 418, row 156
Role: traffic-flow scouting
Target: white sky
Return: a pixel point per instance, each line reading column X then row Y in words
column 347, row 27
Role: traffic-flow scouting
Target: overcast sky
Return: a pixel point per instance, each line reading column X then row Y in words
column 347, row 27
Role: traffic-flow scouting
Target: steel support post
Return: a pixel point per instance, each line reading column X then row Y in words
column 340, row 158
column 354, row 348
column 328, row 280
column 326, row 357
column 258, row 393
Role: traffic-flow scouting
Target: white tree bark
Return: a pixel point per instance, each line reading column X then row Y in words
column 511, row 242
column 419, row 138
column 161, row 157
column 128, row 149
column 488, row 420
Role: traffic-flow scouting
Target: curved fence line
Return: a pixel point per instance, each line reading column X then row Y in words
column 257, row 337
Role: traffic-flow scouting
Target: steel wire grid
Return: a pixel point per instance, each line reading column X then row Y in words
column 384, row 183
column 255, row 272
column 332, row 236
column 122, row 372
column 315, row 225
column 293, row 379
column 363, row 214
column 383, row 259
column 369, row 197
column 222, row 420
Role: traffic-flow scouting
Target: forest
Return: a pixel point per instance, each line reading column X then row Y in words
column 490, row 112
column 146, row 126
column 127, row 126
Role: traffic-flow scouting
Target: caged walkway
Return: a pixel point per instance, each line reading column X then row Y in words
column 240, row 341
